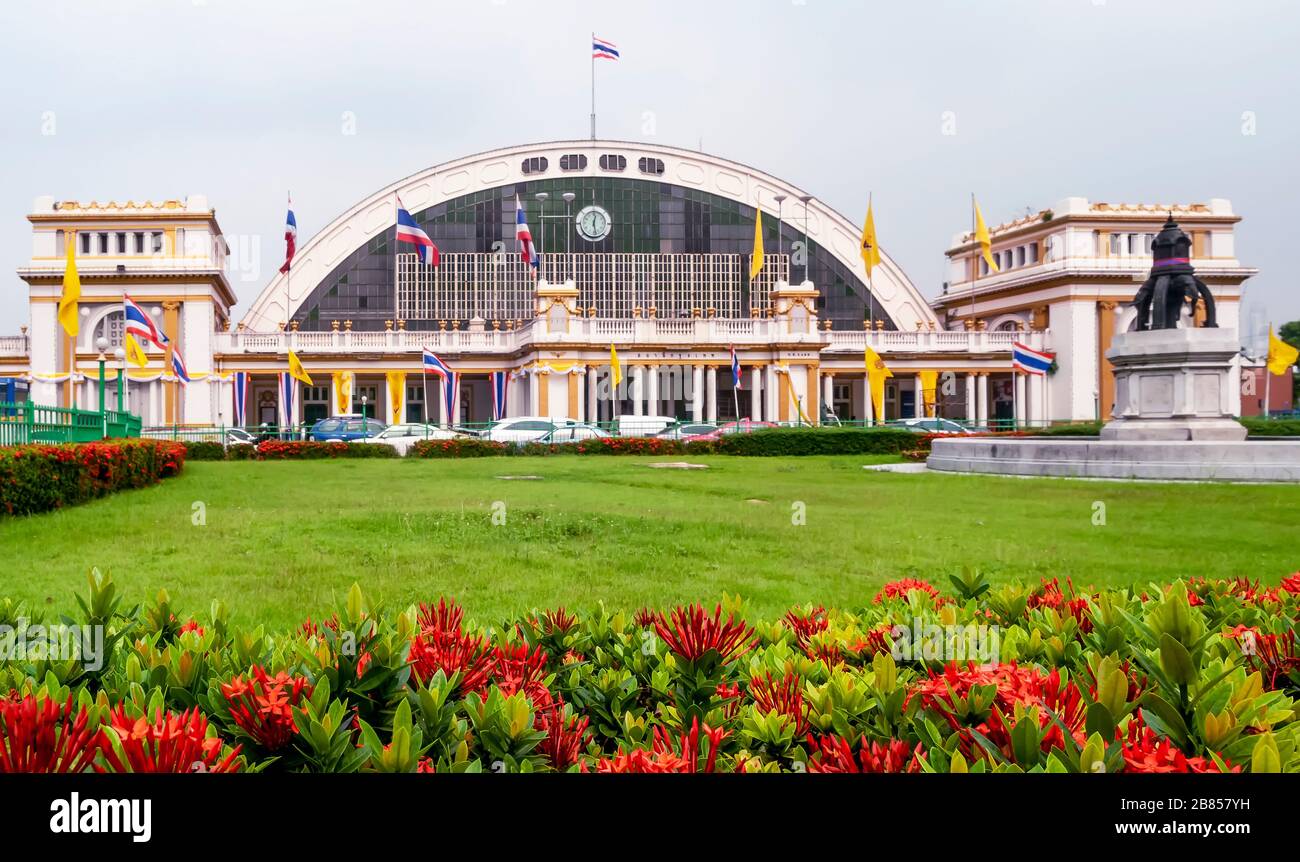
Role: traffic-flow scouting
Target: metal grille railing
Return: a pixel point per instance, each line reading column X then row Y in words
column 501, row 287
column 26, row 422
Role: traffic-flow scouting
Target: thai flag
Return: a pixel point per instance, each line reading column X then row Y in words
column 1029, row 360
column 434, row 365
column 290, row 237
column 500, row 383
column 288, row 395
column 527, row 251
column 735, row 369
column 241, row 398
column 409, row 231
column 178, row 367
column 141, row 325
column 603, row 49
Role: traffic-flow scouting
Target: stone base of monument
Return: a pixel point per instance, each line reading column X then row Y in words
column 1173, row 384
column 1173, row 421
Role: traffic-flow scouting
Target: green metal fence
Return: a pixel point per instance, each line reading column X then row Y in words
column 25, row 422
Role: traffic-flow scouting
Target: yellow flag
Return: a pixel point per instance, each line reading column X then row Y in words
column 1281, row 355
column 877, row 373
column 982, row 237
column 342, row 381
column 296, row 371
column 929, row 385
column 134, row 353
column 71, row 288
column 756, row 259
column 870, row 251
column 396, row 392
column 615, row 368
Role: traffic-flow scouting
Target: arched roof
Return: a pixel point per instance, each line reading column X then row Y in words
column 373, row 215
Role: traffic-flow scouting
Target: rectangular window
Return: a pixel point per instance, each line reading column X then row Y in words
column 157, row 242
column 121, row 244
column 102, row 244
column 85, row 243
column 139, row 243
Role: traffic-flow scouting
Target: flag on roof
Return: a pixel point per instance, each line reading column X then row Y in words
column 603, row 49
column 409, row 231
column 290, row 237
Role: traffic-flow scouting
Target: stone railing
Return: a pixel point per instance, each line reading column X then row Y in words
column 15, row 345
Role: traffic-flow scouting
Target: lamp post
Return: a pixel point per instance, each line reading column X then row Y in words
column 365, row 428
column 780, row 204
column 569, row 198
column 807, row 253
column 541, row 199
column 101, row 344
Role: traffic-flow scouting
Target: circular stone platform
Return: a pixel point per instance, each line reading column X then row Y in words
column 1093, row 458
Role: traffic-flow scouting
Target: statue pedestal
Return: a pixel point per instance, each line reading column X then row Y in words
column 1173, row 384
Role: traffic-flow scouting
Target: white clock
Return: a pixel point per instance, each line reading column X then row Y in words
column 593, row 223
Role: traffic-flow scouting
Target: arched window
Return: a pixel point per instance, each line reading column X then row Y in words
column 112, row 326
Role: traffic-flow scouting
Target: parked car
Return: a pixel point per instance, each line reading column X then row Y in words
column 741, row 426
column 931, row 426
column 239, row 437
column 573, row 434
column 523, row 429
column 683, row 430
column 346, row 428
column 643, row 426
column 406, row 434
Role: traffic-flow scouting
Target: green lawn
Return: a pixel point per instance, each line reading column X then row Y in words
column 285, row 539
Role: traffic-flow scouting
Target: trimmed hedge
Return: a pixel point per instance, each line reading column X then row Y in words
column 1271, row 427
column 310, row 450
column 204, row 450
column 41, row 478
column 461, row 447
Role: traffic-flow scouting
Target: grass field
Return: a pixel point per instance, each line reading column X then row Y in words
column 285, row 539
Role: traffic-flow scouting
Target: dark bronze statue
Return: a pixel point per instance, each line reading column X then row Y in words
column 1172, row 284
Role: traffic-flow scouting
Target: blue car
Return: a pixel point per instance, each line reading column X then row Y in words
column 345, row 428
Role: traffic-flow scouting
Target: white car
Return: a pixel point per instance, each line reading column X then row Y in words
column 573, row 434
column 644, row 426
column 524, row 429
column 932, row 426
column 405, row 435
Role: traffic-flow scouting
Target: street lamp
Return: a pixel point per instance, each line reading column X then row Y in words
column 541, row 199
column 364, row 426
column 101, row 344
column 120, row 355
column 569, row 198
column 807, row 253
column 780, row 203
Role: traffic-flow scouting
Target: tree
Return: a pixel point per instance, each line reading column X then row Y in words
column 1290, row 333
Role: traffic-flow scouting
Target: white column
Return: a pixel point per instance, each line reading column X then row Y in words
column 756, row 393
column 697, row 393
column 970, row 397
column 533, row 397
column 582, row 395
column 1038, row 400
column 828, row 393
column 918, row 400
column 711, row 393
column 771, row 393
column 868, row 407
column 638, row 388
column 982, row 401
column 1022, row 413
column 593, row 395
column 652, row 393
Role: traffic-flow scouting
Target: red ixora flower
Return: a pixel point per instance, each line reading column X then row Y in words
column 45, row 736
column 833, row 753
column 262, row 705
column 690, row 632
column 805, row 625
column 900, row 588
column 1147, row 753
column 169, row 743
column 669, row 755
column 1291, row 584
column 192, row 626
column 784, row 696
column 566, row 735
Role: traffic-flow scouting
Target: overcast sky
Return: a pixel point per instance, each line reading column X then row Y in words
column 1114, row 100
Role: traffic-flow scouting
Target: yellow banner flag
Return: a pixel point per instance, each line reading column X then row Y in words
column 1281, row 355
column 71, row 288
column 615, row 368
column 342, row 381
column 929, row 389
column 870, row 251
column 135, row 353
column 756, row 259
column 877, row 374
column 983, row 238
column 396, row 392
column 296, row 371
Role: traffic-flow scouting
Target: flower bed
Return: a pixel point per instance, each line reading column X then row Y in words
column 1196, row 676
column 39, row 478
column 310, row 450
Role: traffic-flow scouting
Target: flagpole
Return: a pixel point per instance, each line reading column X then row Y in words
column 288, row 272
column 871, row 293
column 1268, row 385
column 593, row 86
column 975, row 269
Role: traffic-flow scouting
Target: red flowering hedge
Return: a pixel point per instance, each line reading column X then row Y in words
column 460, row 447
column 1196, row 676
column 311, row 450
column 39, row 478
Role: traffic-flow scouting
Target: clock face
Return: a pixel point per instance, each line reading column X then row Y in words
column 593, row 224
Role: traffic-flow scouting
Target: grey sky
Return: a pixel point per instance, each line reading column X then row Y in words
column 1114, row 100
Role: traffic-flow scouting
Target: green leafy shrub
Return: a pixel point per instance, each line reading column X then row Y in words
column 204, row 450
column 39, row 478
column 241, row 452
column 819, row 441
column 1194, row 676
column 1257, row 426
column 311, row 450
column 461, row 447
